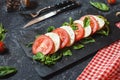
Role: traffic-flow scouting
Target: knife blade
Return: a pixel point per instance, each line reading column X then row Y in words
column 50, row 14
column 36, row 20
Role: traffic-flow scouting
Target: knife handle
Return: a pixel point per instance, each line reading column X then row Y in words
column 68, row 7
column 63, row 4
column 56, row 6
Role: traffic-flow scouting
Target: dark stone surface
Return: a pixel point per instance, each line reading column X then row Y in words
column 16, row 56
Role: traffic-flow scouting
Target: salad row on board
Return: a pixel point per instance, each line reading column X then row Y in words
column 46, row 45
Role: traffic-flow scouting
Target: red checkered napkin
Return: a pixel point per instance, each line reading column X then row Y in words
column 105, row 65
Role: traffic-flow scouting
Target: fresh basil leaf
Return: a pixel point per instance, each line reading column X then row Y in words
column 74, row 27
column 71, row 20
column 104, row 31
column 67, row 53
column 65, row 24
column 100, row 5
column 86, row 22
column 51, row 28
column 78, row 46
column 6, row 70
column 29, row 44
column 39, row 57
column 56, row 57
column 87, row 40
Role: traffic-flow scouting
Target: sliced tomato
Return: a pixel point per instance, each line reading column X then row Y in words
column 79, row 33
column 43, row 44
column 64, row 37
column 93, row 23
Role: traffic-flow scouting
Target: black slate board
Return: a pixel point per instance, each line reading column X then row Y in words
column 28, row 35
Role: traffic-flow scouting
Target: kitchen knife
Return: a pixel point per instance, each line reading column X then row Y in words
column 50, row 14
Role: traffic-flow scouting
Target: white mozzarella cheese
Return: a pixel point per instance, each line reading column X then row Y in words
column 87, row 29
column 71, row 33
column 56, row 39
column 101, row 22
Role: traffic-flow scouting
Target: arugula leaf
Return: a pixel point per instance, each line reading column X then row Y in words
column 104, row 31
column 87, row 40
column 86, row 22
column 2, row 32
column 78, row 46
column 100, row 6
column 67, row 53
column 6, row 70
column 47, row 59
column 51, row 28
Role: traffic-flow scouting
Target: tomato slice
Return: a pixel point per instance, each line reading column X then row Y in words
column 43, row 44
column 93, row 23
column 64, row 37
column 79, row 33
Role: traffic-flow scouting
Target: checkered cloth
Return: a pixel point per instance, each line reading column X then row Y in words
column 105, row 65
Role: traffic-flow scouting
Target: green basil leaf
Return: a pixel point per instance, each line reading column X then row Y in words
column 78, row 46
column 70, row 23
column 67, row 53
column 51, row 28
column 104, row 31
column 6, row 70
column 86, row 22
column 100, row 5
column 71, row 20
column 87, row 40
column 56, row 57
column 39, row 57
column 74, row 27
column 65, row 24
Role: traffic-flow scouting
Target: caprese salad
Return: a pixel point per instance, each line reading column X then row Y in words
column 45, row 47
column 66, row 35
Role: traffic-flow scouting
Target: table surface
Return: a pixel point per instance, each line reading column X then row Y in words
column 16, row 56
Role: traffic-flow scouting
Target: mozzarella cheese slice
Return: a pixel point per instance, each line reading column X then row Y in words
column 71, row 33
column 87, row 29
column 101, row 22
column 56, row 39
